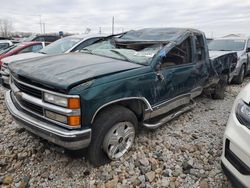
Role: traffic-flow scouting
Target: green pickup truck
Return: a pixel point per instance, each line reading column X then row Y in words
column 99, row 97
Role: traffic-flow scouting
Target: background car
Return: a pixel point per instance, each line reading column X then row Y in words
column 42, row 38
column 240, row 45
column 64, row 45
column 21, row 48
column 236, row 147
column 5, row 44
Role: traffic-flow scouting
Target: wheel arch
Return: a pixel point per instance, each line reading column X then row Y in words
column 138, row 105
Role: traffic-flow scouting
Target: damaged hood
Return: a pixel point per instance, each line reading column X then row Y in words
column 215, row 54
column 68, row 70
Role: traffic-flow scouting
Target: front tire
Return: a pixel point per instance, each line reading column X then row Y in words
column 113, row 135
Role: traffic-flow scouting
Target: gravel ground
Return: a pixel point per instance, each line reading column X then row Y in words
column 184, row 153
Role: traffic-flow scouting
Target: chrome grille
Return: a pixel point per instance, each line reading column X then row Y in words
column 32, row 107
column 29, row 98
column 29, row 90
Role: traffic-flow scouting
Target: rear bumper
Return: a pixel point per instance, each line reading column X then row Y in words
column 69, row 139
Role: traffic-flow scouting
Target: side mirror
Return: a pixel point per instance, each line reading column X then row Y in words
column 248, row 49
column 158, row 66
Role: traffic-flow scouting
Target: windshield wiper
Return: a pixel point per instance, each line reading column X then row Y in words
column 225, row 50
column 42, row 52
column 120, row 54
column 85, row 50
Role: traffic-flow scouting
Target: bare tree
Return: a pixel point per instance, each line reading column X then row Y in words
column 5, row 27
column 87, row 31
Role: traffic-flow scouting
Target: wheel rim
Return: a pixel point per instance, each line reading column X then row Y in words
column 119, row 140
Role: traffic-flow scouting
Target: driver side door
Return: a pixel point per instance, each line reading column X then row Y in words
column 179, row 76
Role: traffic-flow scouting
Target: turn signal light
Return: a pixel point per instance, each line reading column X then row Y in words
column 74, row 120
column 73, row 103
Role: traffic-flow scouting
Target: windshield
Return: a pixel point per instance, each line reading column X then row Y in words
column 60, row 46
column 4, row 45
column 28, row 39
column 4, row 51
column 226, row 45
column 140, row 53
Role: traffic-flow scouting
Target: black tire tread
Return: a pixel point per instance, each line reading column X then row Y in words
column 104, row 121
column 237, row 79
column 220, row 88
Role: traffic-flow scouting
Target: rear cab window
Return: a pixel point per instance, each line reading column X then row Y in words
column 199, row 51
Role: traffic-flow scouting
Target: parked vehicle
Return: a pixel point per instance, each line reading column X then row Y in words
column 5, row 38
column 236, row 148
column 242, row 47
column 141, row 78
column 42, row 38
column 209, row 40
column 64, row 45
column 21, row 48
column 5, row 44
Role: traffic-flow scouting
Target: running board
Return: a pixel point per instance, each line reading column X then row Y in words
column 169, row 117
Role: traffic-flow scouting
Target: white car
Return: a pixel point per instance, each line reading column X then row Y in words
column 236, row 142
column 65, row 45
column 5, row 44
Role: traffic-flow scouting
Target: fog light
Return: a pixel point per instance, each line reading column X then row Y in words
column 56, row 117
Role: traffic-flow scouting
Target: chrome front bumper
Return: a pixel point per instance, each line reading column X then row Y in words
column 69, row 139
column 4, row 78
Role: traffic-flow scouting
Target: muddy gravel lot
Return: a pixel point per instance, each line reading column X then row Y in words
column 183, row 153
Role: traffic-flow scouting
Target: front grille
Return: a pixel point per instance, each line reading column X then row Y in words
column 32, row 107
column 29, row 90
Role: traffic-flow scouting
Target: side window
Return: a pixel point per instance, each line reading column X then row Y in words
column 85, row 43
column 179, row 55
column 199, row 48
column 26, row 50
column 248, row 43
column 36, row 48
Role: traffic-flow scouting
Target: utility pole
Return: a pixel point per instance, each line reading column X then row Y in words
column 100, row 30
column 43, row 27
column 113, row 24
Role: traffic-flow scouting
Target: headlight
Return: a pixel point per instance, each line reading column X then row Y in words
column 71, row 103
column 243, row 113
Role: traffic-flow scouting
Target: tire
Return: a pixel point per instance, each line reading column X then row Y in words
column 220, row 88
column 104, row 126
column 240, row 78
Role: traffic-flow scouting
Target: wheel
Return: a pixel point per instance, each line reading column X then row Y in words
column 113, row 134
column 220, row 88
column 240, row 78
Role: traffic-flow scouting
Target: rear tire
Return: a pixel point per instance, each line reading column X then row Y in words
column 240, row 78
column 104, row 129
column 220, row 88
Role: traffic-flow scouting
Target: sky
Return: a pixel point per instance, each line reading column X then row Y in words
column 215, row 17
